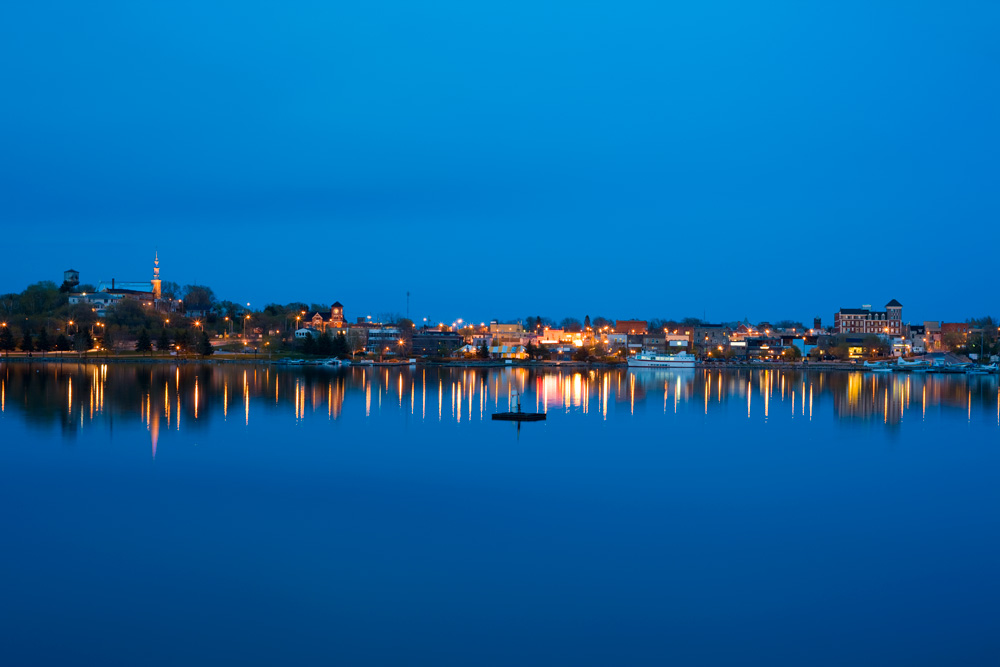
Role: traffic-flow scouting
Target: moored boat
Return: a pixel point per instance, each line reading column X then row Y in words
column 658, row 360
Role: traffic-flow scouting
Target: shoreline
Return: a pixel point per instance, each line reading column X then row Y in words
column 90, row 360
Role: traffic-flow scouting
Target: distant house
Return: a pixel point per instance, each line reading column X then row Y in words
column 98, row 301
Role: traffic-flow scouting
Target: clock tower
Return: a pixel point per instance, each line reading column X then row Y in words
column 337, row 315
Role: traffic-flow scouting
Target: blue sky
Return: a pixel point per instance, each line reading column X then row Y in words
column 506, row 159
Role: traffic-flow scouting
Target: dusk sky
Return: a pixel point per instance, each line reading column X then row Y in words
column 510, row 159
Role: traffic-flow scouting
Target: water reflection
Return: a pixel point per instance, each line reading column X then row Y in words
column 164, row 396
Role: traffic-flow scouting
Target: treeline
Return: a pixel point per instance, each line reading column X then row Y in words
column 326, row 345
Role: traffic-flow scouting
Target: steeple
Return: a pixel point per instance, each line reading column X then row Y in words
column 156, row 275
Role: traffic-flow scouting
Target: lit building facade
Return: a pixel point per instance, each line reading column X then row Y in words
column 866, row 321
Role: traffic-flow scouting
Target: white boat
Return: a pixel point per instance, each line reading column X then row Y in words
column 903, row 364
column 658, row 360
column 873, row 365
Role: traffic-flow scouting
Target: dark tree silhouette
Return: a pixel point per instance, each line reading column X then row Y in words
column 163, row 342
column 205, row 348
column 143, row 343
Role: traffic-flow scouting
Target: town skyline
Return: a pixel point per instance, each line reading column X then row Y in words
column 948, row 310
column 689, row 160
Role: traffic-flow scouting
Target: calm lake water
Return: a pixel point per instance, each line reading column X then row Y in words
column 156, row 515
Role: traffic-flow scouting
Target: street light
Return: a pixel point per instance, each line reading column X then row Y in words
column 245, row 327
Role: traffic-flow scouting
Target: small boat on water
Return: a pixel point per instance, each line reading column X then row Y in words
column 517, row 415
column 878, row 367
column 918, row 365
column 658, row 360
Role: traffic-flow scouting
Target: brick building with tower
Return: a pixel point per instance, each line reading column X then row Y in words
column 866, row 321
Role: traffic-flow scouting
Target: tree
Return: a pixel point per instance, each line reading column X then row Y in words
column 169, row 289
column 205, row 348
column 144, row 344
column 127, row 313
column 840, row 351
column 791, row 353
column 340, row 346
column 163, row 342
column 581, row 354
column 82, row 315
column 41, row 298
column 182, row 338
column 115, row 337
column 7, row 342
column 83, row 341
column 357, row 339
column 953, row 341
column 43, row 344
column 875, row 346
column 790, row 324
column 26, row 342
column 62, row 343
column 483, row 352
column 198, row 297
column 324, row 345
column 309, row 344
column 530, row 350
column 571, row 324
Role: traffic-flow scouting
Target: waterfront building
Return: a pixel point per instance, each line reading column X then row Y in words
column 804, row 342
column 866, row 321
column 917, row 338
column 634, row 327
column 382, row 337
column 508, row 352
column 711, row 335
column 431, row 341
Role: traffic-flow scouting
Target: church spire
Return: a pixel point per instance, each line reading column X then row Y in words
column 156, row 275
